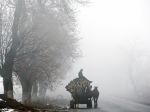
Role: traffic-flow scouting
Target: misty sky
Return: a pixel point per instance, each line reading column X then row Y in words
column 115, row 45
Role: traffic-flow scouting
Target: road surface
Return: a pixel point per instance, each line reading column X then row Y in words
column 116, row 105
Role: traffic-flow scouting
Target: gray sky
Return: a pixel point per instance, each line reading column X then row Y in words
column 115, row 45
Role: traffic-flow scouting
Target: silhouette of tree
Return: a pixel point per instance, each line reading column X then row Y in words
column 38, row 42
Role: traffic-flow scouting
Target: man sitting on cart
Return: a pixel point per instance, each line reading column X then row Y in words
column 80, row 74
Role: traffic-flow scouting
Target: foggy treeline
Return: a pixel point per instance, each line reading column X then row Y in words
column 38, row 43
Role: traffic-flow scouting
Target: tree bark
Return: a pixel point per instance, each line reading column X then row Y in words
column 26, row 84
column 34, row 90
column 11, row 54
column 7, row 73
column 8, row 87
column 26, row 93
column 42, row 90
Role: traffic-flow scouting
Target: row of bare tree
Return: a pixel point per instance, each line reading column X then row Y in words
column 37, row 43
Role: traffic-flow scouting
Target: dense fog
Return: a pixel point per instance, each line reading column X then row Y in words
column 115, row 51
column 115, row 48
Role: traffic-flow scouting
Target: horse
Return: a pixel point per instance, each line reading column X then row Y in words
column 95, row 95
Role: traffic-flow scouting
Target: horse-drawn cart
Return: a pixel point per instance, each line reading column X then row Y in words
column 80, row 90
column 82, row 100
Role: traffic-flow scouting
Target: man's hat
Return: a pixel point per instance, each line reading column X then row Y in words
column 81, row 69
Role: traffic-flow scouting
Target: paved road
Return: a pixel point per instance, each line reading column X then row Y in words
column 117, row 105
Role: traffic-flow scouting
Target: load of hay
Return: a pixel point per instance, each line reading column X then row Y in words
column 78, row 84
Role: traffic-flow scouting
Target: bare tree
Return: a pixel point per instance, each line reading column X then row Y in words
column 48, row 48
column 9, row 47
column 38, row 42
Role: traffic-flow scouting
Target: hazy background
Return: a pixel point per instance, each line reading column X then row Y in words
column 115, row 47
column 115, row 37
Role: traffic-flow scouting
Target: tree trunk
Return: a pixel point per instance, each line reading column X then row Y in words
column 34, row 90
column 7, row 73
column 42, row 90
column 11, row 54
column 26, row 93
column 42, row 93
column 8, row 87
column 26, row 84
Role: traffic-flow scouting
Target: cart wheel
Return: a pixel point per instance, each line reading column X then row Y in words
column 89, row 104
column 72, row 104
